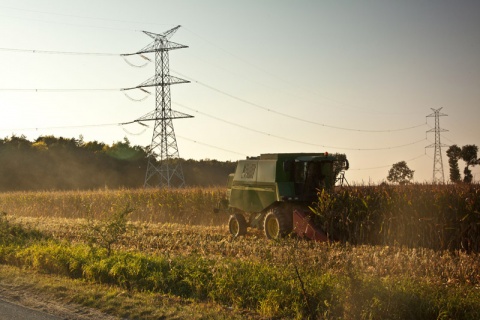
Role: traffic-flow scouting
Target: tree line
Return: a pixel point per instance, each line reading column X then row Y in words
column 57, row 163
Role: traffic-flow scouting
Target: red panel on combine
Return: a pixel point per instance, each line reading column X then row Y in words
column 305, row 229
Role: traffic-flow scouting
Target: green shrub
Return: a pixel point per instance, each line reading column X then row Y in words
column 107, row 232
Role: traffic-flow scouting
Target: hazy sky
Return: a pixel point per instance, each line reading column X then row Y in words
column 355, row 77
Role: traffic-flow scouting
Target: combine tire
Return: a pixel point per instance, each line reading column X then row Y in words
column 276, row 224
column 237, row 225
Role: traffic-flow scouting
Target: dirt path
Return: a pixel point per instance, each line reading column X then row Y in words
column 19, row 296
column 9, row 311
column 23, row 290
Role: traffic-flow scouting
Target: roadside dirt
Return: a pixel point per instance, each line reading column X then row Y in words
column 21, row 290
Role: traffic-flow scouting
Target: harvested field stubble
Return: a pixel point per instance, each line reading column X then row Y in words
column 440, row 267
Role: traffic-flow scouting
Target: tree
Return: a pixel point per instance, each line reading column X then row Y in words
column 56, row 163
column 124, row 151
column 400, row 173
column 454, row 153
column 469, row 155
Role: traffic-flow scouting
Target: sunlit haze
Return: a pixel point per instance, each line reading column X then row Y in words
column 353, row 77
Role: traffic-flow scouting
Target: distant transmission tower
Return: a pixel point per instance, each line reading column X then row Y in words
column 164, row 168
column 438, row 174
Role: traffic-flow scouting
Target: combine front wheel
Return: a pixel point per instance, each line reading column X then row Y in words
column 237, row 225
column 275, row 225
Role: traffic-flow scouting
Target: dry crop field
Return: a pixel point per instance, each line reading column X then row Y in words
column 174, row 244
column 189, row 206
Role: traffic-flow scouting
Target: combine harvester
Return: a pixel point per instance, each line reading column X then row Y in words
column 273, row 192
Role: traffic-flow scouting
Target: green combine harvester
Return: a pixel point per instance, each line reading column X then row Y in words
column 273, row 192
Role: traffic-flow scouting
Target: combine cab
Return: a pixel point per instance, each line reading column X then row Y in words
column 273, row 192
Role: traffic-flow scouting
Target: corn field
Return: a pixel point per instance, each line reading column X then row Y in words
column 441, row 217
column 189, row 206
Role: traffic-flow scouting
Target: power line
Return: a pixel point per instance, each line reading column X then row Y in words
column 445, row 137
column 66, row 127
column 220, row 91
column 67, row 23
column 182, row 137
column 350, row 106
column 64, row 53
column 140, row 121
column 81, row 17
column 293, row 140
column 59, row 52
column 211, row 146
column 294, row 117
column 57, row 89
column 196, row 81
column 77, row 53
column 387, row 166
column 228, row 122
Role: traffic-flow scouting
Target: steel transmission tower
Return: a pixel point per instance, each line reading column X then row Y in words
column 164, row 168
column 438, row 174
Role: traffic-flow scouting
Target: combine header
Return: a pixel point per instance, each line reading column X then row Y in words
column 273, row 192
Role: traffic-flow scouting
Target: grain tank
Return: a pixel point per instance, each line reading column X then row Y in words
column 272, row 192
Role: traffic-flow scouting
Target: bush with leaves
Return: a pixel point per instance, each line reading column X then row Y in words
column 109, row 231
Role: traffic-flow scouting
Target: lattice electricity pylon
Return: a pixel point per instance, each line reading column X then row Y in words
column 437, row 159
column 163, row 168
